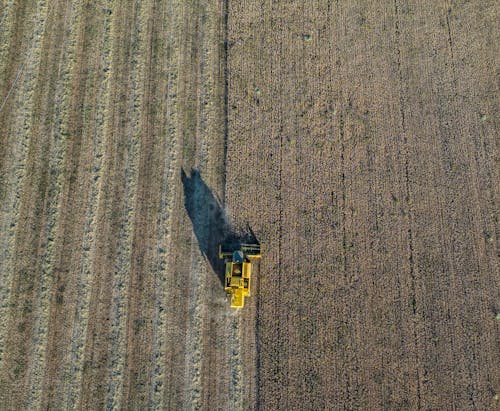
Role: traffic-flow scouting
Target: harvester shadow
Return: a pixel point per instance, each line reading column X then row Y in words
column 211, row 224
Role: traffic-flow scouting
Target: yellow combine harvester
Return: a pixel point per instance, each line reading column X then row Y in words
column 238, row 261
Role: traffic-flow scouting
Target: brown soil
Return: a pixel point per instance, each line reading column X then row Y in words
column 357, row 140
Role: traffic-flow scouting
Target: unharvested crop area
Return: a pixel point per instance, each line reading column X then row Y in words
column 357, row 139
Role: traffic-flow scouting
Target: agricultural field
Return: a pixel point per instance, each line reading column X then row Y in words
column 356, row 139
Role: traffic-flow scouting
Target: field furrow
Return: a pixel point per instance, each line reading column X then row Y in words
column 76, row 187
column 13, row 169
column 60, row 130
column 74, row 364
column 30, row 241
column 105, row 340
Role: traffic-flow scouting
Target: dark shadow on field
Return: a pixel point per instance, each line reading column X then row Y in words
column 211, row 224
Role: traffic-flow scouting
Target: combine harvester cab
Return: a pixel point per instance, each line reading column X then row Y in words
column 238, row 272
